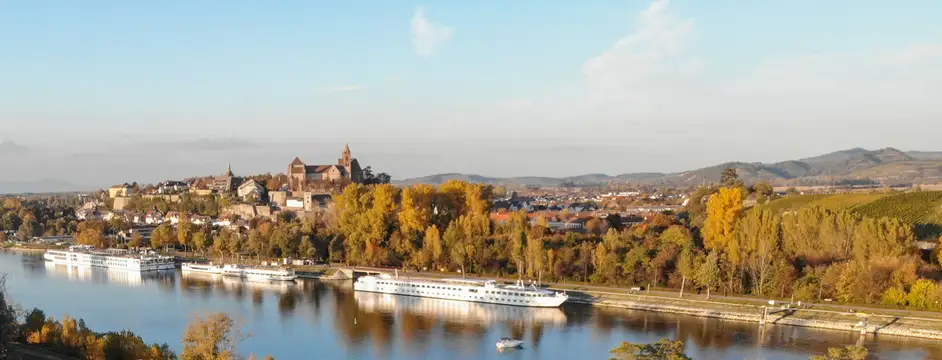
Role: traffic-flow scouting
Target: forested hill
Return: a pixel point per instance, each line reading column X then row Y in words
column 856, row 165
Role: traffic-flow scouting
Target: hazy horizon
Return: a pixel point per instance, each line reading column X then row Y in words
column 100, row 93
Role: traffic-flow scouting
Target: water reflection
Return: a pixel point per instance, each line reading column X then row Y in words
column 103, row 276
column 447, row 310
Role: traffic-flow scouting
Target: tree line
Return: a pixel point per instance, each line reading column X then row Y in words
column 715, row 244
column 37, row 217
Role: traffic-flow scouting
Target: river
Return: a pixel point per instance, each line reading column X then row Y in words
column 318, row 320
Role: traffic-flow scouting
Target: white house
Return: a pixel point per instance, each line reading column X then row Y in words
column 250, row 189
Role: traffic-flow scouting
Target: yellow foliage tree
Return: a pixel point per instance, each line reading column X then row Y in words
column 213, row 337
column 416, row 213
column 723, row 211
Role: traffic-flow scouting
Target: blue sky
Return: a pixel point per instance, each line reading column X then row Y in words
column 455, row 76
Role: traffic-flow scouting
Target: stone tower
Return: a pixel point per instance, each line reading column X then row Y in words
column 346, row 159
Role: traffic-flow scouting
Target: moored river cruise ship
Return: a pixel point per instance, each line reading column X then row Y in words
column 83, row 255
column 484, row 291
column 234, row 270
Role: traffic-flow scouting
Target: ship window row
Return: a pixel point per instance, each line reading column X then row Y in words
column 508, row 293
column 421, row 286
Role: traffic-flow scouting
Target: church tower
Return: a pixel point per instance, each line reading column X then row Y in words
column 346, row 159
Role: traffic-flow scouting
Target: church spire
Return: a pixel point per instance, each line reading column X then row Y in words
column 346, row 159
column 228, row 169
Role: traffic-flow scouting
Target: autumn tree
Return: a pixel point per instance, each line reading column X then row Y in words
column 136, row 240
column 884, row 237
column 202, row 239
column 723, row 211
column 850, row 352
column 184, row 232
column 759, row 232
column 221, row 243
column 163, row 236
column 415, row 215
column 432, row 245
column 214, row 337
column 92, row 233
column 665, row 349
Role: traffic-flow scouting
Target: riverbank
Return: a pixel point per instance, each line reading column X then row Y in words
column 857, row 322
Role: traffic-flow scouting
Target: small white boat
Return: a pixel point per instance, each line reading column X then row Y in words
column 201, row 268
column 508, row 343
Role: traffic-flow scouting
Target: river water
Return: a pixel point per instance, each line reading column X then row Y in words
column 317, row 320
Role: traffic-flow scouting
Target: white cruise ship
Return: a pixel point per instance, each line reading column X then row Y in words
column 487, row 291
column 259, row 273
column 201, row 268
column 83, row 255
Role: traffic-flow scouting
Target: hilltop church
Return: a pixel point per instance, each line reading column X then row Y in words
column 346, row 169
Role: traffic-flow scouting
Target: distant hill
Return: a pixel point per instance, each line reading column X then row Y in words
column 41, row 186
column 886, row 165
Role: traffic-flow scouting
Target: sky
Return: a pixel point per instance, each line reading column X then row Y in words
column 100, row 92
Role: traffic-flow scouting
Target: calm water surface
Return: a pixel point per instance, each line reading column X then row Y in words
column 315, row 320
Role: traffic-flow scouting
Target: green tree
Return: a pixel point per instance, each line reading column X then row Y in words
column 730, row 178
column 665, row 349
column 306, row 248
column 678, row 235
column 708, row 273
column 8, row 325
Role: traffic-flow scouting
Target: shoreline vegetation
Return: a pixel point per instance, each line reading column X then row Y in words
column 33, row 335
column 666, row 349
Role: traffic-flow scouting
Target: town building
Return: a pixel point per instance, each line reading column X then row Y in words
column 224, row 183
column 300, row 175
column 250, row 189
column 120, row 190
column 172, row 187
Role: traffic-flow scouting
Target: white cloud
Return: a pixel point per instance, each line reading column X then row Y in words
column 344, row 88
column 649, row 89
column 427, row 36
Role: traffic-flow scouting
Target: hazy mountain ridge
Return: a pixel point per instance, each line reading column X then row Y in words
column 41, row 186
column 886, row 164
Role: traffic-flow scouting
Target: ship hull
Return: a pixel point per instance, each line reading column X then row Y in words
column 107, row 262
column 478, row 294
